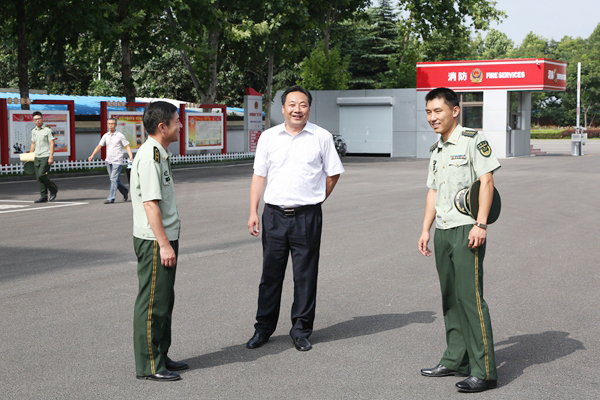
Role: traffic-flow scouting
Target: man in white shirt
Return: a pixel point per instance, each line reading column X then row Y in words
column 300, row 165
column 114, row 142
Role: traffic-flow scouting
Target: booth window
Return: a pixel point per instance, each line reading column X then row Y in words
column 514, row 109
column 471, row 105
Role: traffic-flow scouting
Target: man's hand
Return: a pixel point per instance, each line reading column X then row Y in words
column 50, row 160
column 90, row 158
column 423, row 240
column 254, row 224
column 477, row 237
column 167, row 256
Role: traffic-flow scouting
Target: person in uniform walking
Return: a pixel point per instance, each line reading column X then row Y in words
column 42, row 144
column 300, row 165
column 156, row 227
column 458, row 158
column 115, row 142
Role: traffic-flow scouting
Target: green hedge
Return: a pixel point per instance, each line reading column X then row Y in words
column 565, row 134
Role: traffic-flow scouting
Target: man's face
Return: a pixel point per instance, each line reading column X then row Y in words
column 112, row 125
column 296, row 110
column 441, row 117
column 38, row 120
column 171, row 132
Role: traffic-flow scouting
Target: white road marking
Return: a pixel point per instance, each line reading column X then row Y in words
column 54, row 204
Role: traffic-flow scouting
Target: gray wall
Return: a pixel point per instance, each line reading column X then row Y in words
column 326, row 113
column 411, row 136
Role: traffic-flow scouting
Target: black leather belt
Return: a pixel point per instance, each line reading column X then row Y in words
column 291, row 211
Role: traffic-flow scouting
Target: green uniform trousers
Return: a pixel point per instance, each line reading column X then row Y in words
column 470, row 346
column 41, row 173
column 153, row 308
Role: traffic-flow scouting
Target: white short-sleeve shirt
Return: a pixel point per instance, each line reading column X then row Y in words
column 114, row 143
column 296, row 167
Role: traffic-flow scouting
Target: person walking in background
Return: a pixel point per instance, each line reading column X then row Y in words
column 300, row 165
column 114, row 141
column 42, row 144
column 458, row 158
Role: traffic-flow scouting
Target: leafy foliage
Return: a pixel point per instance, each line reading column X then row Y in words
column 210, row 50
column 322, row 73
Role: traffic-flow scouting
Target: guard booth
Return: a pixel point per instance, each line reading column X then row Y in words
column 495, row 95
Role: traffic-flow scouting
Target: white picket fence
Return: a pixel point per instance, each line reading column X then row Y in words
column 85, row 164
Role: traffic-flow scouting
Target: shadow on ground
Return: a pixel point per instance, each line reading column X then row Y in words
column 357, row 326
column 528, row 350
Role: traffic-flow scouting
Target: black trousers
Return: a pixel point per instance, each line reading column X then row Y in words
column 300, row 236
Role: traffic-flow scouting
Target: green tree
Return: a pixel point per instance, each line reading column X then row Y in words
column 322, row 73
column 496, row 45
column 445, row 26
column 533, row 46
column 328, row 14
column 588, row 55
column 375, row 44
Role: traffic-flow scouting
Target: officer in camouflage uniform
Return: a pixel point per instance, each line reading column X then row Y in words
column 156, row 227
column 460, row 157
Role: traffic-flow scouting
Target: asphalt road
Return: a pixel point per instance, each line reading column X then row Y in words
column 68, row 284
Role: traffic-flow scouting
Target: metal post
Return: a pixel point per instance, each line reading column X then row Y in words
column 103, row 126
column 576, row 136
column 4, row 149
column 182, row 132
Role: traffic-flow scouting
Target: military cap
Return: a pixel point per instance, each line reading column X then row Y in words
column 27, row 159
column 466, row 202
column 29, row 168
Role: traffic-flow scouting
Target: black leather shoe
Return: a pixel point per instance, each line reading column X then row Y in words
column 41, row 200
column 125, row 196
column 177, row 365
column 474, row 384
column 302, row 344
column 108, row 202
column 440, row 370
column 52, row 195
column 257, row 340
column 162, row 376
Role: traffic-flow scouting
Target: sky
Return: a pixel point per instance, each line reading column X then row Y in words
column 551, row 19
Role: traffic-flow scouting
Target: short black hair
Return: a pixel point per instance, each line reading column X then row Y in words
column 114, row 119
column 296, row 88
column 36, row 113
column 448, row 95
column 157, row 112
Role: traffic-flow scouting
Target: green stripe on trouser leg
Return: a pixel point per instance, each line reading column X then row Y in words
column 153, row 308
column 469, row 339
column 41, row 168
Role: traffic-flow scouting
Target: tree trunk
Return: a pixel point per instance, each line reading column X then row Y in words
column 214, row 37
column 269, row 92
column 186, row 59
column 406, row 39
column 126, row 73
column 327, row 32
column 22, row 56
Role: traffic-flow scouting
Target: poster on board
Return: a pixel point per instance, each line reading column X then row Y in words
column 20, row 124
column 204, row 131
column 253, row 119
column 131, row 125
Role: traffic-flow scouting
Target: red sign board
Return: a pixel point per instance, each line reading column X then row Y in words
column 516, row 74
